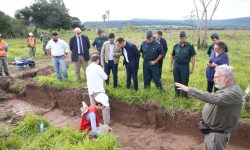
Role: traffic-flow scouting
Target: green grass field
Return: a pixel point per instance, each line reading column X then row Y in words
column 239, row 58
column 27, row 136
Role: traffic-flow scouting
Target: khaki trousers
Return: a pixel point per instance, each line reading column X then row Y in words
column 80, row 63
column 105, row 111
column 3, row 64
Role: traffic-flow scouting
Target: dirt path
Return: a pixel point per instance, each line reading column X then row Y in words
column 130, row 138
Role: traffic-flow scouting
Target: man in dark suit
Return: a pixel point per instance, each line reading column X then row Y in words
column 164, row 45
column 79, row 45
column 131, row 61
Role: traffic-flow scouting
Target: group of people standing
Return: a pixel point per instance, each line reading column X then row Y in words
column 220, row 113
column 153, row 51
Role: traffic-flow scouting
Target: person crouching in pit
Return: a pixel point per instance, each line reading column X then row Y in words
column 90, row 121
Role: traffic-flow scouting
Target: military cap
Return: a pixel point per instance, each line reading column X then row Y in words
column 215, row 36
column 183, row 34
column 149, row 34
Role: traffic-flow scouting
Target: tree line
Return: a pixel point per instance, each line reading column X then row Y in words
column 43, row 14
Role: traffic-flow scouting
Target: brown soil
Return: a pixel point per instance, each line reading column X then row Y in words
column 67, row 100
column 41, row 63
column 147, row 128
column 31, row 73
column 136, row 126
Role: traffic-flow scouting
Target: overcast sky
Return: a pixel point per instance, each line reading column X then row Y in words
column 92, row 10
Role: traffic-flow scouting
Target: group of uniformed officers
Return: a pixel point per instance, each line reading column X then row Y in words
column 153, row 51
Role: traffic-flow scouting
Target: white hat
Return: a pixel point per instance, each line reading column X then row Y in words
column 30, row 34
column 103, row 99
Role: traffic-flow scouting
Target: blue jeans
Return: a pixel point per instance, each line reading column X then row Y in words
column 59, row 63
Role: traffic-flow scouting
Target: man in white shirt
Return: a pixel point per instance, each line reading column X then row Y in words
column 57, row 48
column 95, row 78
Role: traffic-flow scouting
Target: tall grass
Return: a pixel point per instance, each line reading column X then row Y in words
column 27, row 136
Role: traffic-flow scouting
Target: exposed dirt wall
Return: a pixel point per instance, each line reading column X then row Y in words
column 68, row 100
column 148, row 116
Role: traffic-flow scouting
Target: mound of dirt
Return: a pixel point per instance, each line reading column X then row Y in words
column 4, row 83
column 45, row 70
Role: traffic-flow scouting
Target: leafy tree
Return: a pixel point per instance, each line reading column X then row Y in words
column 24, row 14
column 46, row 15
column 11, row 27
column 76, row 22
column 104, row 17
column 4, row 22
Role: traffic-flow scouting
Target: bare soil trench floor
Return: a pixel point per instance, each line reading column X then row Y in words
column 130, row 133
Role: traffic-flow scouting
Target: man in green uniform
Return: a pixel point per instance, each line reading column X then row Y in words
column 221, row 112
column 152, row 53
column 98, row 42
column 44, row 38
column 182, row 53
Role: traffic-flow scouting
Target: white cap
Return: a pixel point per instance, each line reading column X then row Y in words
column 30, row 34
column 103, row 99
